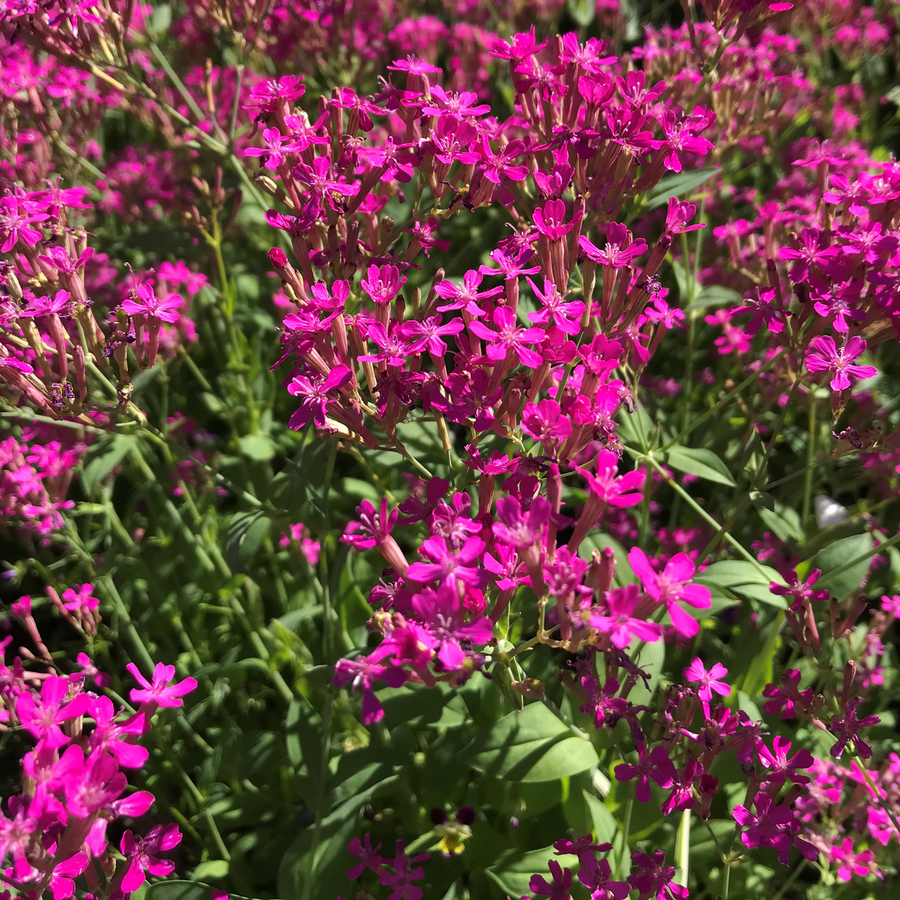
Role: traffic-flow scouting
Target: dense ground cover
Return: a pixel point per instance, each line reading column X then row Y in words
column 449, row 450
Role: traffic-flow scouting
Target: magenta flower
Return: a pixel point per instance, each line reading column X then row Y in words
column 392, row 348
column 509, row 339
column 383, row 283
column 429, row 334
column 619, row 622
column 849, row 861
column 467, row 296
column 315, row 392
column 442, row 617
column 697, row 673
column 58, row 305
column 682, row 796
column 42, row 718
column 15, row 220
column 619, row 249
column 144, row 302
column 772, row 826
column 372, row 528
column 782, row 766
column 550, row 220
column 608, row 486
column 509, row 265
column 266, row 95
column 824, row 356
column 655, row 765
column 518, row 527
column 555, row 309
column 362, row 672
column 414, row 65
column 847, row 727
column 814, row 250
column 368, row 856
column 80, row 600
column 545, row 422
column 558, row 889
column 446, row 565
column 16, row 836
column 497, row 166
column 402, row 878
column 653, row 878
column 142, row 855
column 788, row 698
column 672, row 587
column 113, row 737
column 98, row 784
column 161, row 690
column 453, row 104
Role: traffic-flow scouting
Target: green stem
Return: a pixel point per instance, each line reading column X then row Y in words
column 750, row 379
column 810, row 449
column 701, row 511
column 790, row 880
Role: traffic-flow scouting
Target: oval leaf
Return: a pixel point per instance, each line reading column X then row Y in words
column 700, row 462
column 835, row 556
column 676, row 185
column 531, row 745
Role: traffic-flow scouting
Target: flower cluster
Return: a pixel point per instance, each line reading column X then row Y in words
column 75, row 777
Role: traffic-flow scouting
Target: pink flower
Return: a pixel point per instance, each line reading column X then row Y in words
column 781, row 765
column 144, row 302
column 619, row 622
column 824, row 356
column 369, row 858
column 402, row 878
column 142, row 854
column 383, row 283
column 372, row 528
column 447, row 565
column 509, row 339
column 697, row 673
column 655, row 765
column 672, row 587
column 850, row 862
column 558, row 889
column 80, row 599
column 42, row 719
column 160, row 691
column 608, row 486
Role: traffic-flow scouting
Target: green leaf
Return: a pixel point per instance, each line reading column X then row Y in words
column 713, row 295
column 179, row 890
column 637, row 428
column 161, row 19
column 319, row 855
column 531, row 745
column 743, row 579
column 114, row 451
column 677, row 185
column 253, row 538
column 258, row 447
column 417, row 706
column 834, row 557
column 650, row 657
column 700, row 462
column 783, row 521
column 513, row 870
column 582, row 11
column 212, row 868
column 605, row 825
